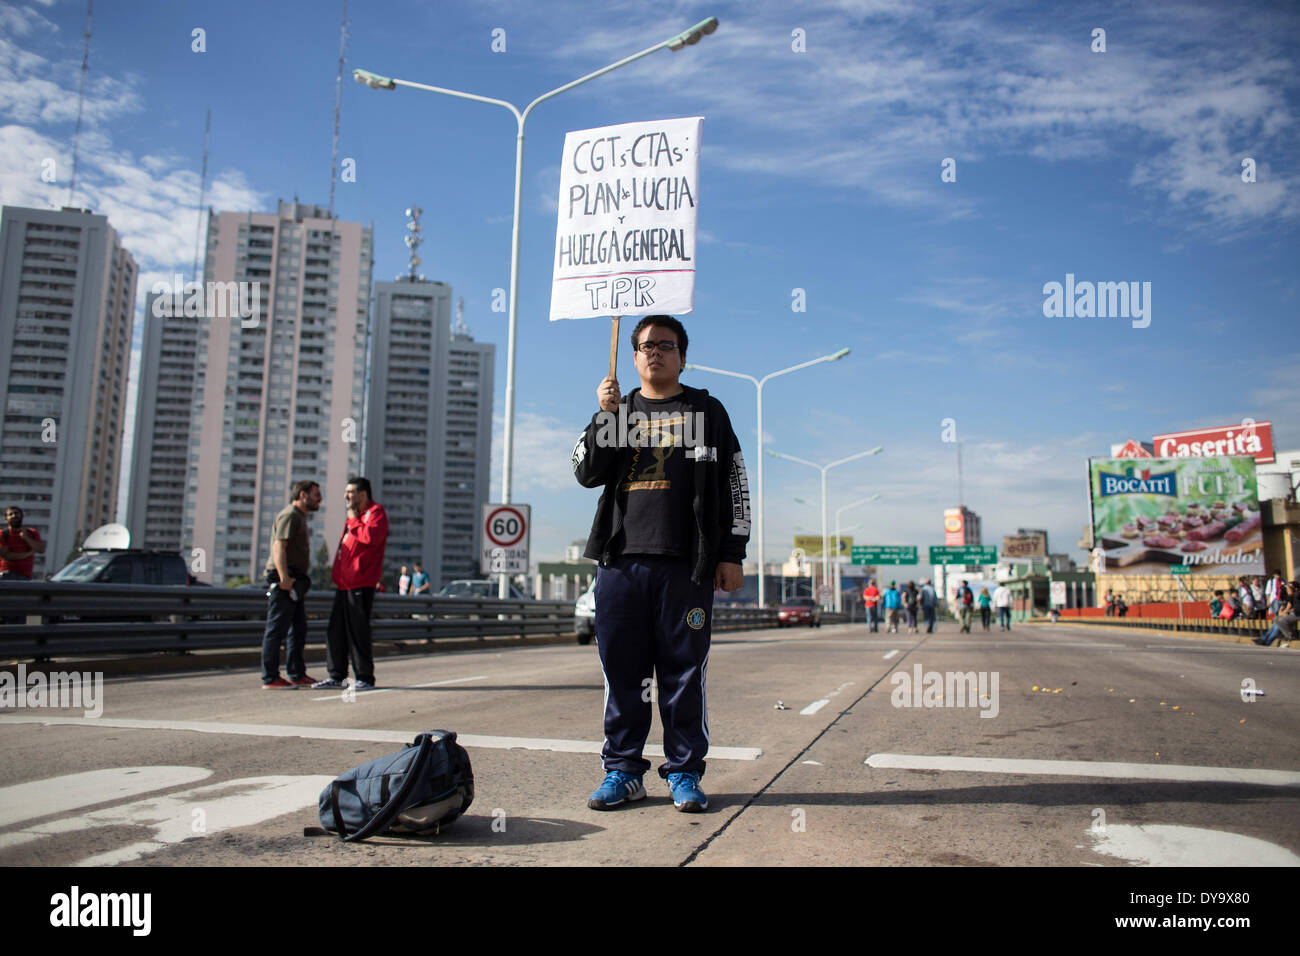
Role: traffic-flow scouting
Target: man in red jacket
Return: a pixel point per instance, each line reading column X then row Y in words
column 357, row 569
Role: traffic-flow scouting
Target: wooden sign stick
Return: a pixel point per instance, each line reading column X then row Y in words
column 613, row 347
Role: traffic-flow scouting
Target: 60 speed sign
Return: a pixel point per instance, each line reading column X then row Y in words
column 506, row 530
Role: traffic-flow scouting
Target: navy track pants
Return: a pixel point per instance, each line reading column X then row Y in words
column 652, row 619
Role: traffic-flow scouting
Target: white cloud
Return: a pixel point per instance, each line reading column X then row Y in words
column 885, row 90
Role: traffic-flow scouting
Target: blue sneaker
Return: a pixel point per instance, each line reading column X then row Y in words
column 687, row 795
column 617, row 788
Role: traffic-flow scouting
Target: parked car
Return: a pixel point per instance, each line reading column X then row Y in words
column 800, row 610
column 129, row 566
column 478, row 590
column 584, row 615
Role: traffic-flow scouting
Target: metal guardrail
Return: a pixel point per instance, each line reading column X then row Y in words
column 1203, row 625
column 62, row 619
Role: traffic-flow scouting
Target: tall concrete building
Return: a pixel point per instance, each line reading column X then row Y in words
column 67, row 302
column 429, row 429
column 160, row 453
column 279, row 397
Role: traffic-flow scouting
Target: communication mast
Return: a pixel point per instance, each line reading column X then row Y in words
column 460, row 328
column 413, row 241
column 338, row 105
column 203, row 190
column 81, row 99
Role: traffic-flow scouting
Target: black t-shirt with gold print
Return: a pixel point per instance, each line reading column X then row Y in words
column 657, row 490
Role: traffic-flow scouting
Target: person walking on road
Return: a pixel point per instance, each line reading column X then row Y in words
column 965, row 603
column 929, row 600
column 404, row 581
column 909, row 596
column 871, row 597
column 288, row 584
column 358, row 566
column 985, row 605
column 1002, row 601
column 892, row 604
column 671, row 527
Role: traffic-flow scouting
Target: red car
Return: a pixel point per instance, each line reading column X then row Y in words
column 803, row 610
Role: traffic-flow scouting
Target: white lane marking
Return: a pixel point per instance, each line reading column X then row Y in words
column 1045, row 645
column 386, row 690
column 1166, row 845
column 43, row 798
column 815, row 763
column 891, row 654
column 202, row 811
column 819, row 704
column 1087, row 768
column 376, row 736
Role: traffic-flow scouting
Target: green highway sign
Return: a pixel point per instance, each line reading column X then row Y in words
column 1180, row 569
column 963, row 554
column 885, row 554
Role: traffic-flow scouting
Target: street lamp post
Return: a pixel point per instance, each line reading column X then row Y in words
column 839, row 604
column 758, row 384
column 375, row 81
column 826, row 558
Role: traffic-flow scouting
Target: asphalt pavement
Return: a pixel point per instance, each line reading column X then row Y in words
column 1048, row 745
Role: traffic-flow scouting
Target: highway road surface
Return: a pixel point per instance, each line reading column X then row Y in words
column 1044, row 745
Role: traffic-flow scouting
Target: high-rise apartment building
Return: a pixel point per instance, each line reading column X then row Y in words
column 67, row 302
column 470, row 367
column 277, row 398
column 160, row 450
column 429, row 429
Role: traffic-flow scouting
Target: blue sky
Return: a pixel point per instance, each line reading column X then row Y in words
column 820, row 171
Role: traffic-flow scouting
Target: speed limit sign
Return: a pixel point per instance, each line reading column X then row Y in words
column 506, row 529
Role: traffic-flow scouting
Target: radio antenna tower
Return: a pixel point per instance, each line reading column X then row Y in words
column 81, row 99
column 461, row 328
column 413, row 242
column 960, row 500
column 338, row 105
column 203, row 191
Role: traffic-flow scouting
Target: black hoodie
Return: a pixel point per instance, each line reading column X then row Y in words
column 721, row 504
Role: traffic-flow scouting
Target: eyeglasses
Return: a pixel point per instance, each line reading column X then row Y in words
column 667, row 345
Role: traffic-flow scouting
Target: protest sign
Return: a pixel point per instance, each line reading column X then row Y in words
column 625, row 239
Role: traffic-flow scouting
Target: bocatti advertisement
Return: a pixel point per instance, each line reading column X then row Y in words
column 1148, row 514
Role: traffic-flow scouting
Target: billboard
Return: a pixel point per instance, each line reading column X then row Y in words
column 811, row 545
column 1030, row 545
column 1200, row 512
column 1249, row 438
column 960, row 526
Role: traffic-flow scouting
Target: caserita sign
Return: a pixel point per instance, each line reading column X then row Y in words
column 1248, row 438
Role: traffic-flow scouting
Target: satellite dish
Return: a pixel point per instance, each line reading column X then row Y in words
column 108, row 537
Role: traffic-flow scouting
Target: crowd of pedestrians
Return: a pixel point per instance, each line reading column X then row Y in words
column 1285, row 608
column 1253, row 599
column 910, row 603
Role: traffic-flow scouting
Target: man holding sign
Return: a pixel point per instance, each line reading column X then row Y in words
column 671, row 526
